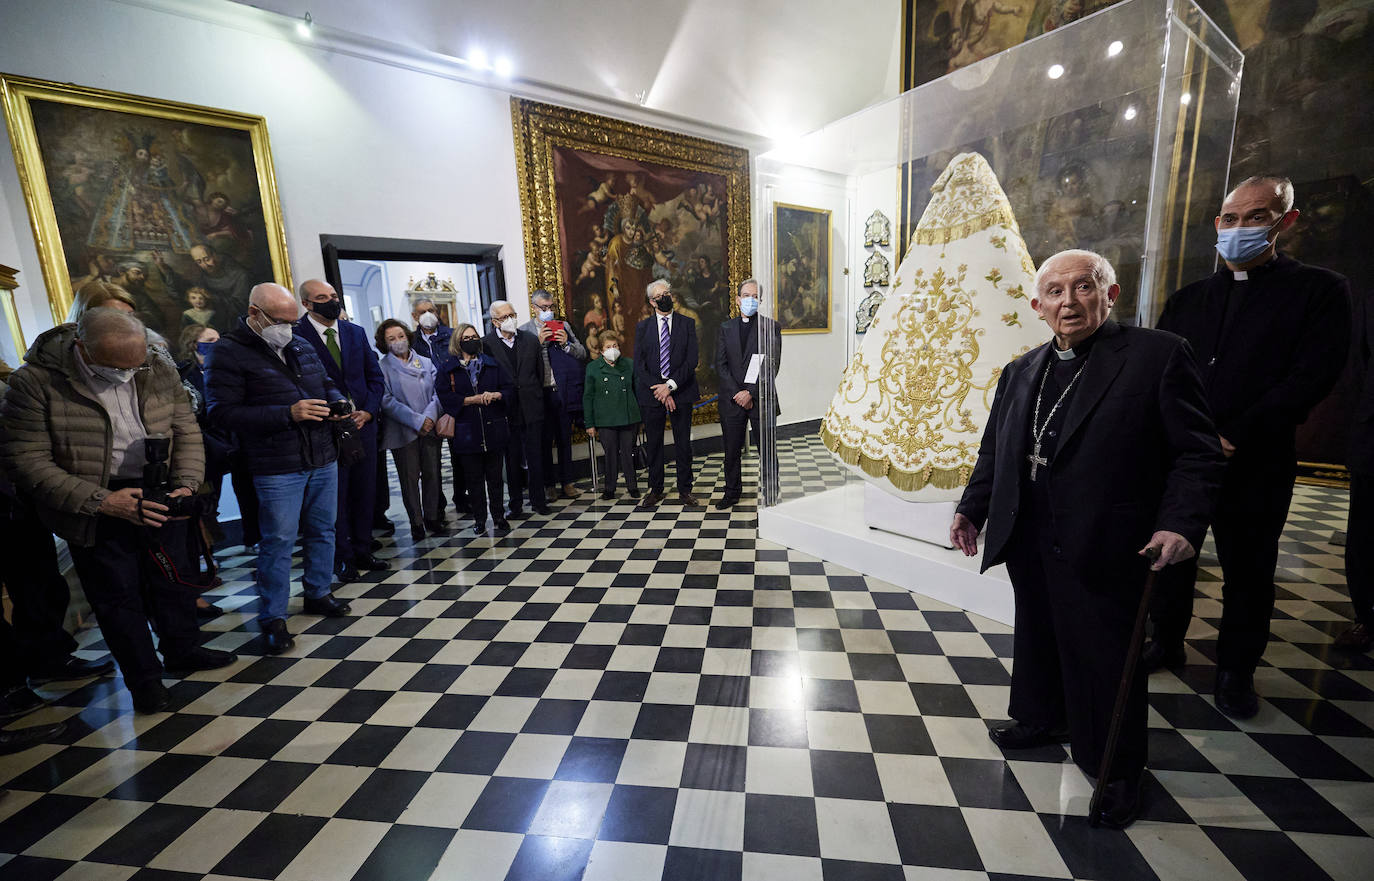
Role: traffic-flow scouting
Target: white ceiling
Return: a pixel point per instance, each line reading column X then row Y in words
column 772, row 69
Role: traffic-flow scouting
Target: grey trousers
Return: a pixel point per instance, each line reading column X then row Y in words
column 417, row 469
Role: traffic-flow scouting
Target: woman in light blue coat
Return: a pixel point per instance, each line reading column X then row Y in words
column 411, row 409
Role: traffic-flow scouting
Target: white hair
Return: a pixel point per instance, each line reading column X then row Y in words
column 655, row 285
column 1102, row 269
column 1283, row 187
column 420, row 301
column 491, row 310
column 753, row 281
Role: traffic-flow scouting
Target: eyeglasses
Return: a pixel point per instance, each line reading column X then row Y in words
column 275, row 322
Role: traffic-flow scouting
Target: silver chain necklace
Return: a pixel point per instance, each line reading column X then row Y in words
column 1037, row 434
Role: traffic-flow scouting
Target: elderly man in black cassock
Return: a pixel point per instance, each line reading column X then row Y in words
column 1099, row 446
column 1272, row 337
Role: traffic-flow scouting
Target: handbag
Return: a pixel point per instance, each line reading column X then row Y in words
column 639, row 456
column 444, row 426
column 349, row 443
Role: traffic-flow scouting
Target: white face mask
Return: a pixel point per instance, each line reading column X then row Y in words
column 429, row 321
column 508, row 325
column 546, row 315
column 276, row 335
column 114, row 375
column 610, row 354
column 399, row 348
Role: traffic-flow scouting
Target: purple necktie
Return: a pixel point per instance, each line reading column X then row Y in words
column 663, row 347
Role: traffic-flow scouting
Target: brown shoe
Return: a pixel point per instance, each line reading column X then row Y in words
column 688, row 499
column 1357, row 638
column 570, row 491
column 652, row 499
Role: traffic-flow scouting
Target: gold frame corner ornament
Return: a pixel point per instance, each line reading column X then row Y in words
column 829, row 281
column 8, row 283
column 16, row 93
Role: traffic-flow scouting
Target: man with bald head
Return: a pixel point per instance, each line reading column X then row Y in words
column 1098, row 449
column 1272, row 337
column 73, row 432
column 270, row 389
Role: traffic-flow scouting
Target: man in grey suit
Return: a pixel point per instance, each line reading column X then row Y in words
column 737, row 342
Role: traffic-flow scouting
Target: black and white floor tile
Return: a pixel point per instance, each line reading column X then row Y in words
column 613, row 694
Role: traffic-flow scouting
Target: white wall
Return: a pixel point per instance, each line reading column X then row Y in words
column 358, row 146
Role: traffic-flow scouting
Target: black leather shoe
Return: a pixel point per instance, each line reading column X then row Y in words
column 377, row 544
column 199, row 658
column 208, row 612
column 517, row 514
column 19, row 739
column 276, row 638
column 608, row 496
column 151, row 697
column 386, row 527
column 1156, row 656
column 437, row 527
column 541, row 510
column 502, row 527
column 652, row 499
column 346, row 573
column 1356, row 638
column 1016, row 735
column 1120, row 804
column 20, row 700
column 1235, row 694
column 369, row 563
column 328, row 605
column 417, row 533
column 71, row 667
column 727, row 502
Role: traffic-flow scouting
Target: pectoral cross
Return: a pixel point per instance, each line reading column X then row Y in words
column 1036, row 460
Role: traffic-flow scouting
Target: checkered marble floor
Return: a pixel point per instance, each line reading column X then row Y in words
column 618, row 694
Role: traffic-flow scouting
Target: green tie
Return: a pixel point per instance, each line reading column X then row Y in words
column 333, row 345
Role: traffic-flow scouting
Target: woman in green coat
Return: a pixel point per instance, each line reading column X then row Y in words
column 611, row 413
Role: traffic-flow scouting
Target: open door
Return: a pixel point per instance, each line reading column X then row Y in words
column 491, row 284
column 331, row 267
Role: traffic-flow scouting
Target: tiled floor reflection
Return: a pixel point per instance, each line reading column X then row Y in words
column 617, row 695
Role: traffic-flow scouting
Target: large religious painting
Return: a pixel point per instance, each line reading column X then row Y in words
column 610, row 206
column 801, row 268
column 175, row 203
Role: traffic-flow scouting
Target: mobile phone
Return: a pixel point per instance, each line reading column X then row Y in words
column 554, row 326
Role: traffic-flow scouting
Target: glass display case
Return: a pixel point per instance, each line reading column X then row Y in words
column 1111, row 134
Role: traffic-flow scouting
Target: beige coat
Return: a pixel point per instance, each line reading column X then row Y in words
column 56, row 438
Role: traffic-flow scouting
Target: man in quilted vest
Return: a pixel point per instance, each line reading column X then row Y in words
column 72, row 433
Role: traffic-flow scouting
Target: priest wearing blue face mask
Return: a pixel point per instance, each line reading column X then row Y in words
column 739, row 342
column 1271, row 337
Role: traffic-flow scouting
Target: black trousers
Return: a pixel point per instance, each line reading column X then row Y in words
column 656, row 416
column 1070, row 648
column 381, row 494
column 1251, row 511
column 133, row 575
column 618, row 442
column 357, row 488
column 558, row 421
column 524, row 466
column 38, row 594
column 735, row 422
column 483, row 474
column 1359, row 547
column 460, row 482
column 247, row 495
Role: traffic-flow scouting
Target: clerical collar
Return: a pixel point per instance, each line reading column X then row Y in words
column 1079, row 351
column 1244, row 274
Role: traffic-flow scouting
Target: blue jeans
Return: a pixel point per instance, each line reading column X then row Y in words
column 304, row 501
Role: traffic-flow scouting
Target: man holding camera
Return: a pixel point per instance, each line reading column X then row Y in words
column 97, row 431
column 269, row 387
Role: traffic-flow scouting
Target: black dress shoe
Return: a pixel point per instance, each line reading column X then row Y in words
column 1120, row 804
column 346, row 573
column 199, row 658
column 1017, row 735
column 208, row 612
column 437, row 527
column 20, row 700
column 608, row 496
column 1156, row 656
column 541, row 510
column 71, row 667
column 328, row 605
column 417, row 533
column 377, row 544
column 727, row 502
column 19, row 739
column 151, row 697
column 1356, row 638
column 276, row 638
column 369, row 563
column 502, row 527
column 517, row 514
column 386, row 527
column 688, row 499
column 1235, row 694
column 652, row 499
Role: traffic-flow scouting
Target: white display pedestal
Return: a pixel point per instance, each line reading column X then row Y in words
column 831, row 525
column 926, row 521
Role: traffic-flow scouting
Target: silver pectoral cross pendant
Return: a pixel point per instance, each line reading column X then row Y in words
column 1036, row 460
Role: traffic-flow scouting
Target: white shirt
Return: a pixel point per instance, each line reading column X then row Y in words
column 508, row 340
column 120, row 401
column 321, row 327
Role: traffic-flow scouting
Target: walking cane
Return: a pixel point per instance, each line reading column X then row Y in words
column 1123, row 690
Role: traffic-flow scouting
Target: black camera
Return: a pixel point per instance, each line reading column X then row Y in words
column 157, row 479
column 341, row 407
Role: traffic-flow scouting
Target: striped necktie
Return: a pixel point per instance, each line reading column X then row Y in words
column 664, row 346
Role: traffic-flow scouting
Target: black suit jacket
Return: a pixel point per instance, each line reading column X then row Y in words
column 732, row 359
column 1137, row 453
column 526, row 365
column 1361, row 458
column 682, row 360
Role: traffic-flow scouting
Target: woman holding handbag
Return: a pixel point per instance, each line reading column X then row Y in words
column 412, row 408
column 473, row 391
column 611, row 412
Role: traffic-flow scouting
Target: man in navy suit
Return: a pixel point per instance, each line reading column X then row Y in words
column 344, row 350
column 666, row 386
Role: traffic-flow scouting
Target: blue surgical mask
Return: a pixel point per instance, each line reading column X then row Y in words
column 203, row 350
column 749, row 306
column 1241, row 244
column 545, row 315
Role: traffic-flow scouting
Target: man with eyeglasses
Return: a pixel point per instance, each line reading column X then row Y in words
column 73, row 432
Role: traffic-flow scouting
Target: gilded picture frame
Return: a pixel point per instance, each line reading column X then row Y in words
column 801, row 268
column 608, row 204
column 157, row 195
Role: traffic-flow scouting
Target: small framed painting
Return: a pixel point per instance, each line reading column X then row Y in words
column 801, row 268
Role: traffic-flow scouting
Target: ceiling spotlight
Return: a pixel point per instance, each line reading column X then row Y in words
column 1115, row 48
column 1055, row 71
column 1185, row 99
column 1130, row 112
column 305, row 26
column 504, row 67
column 477, row 59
